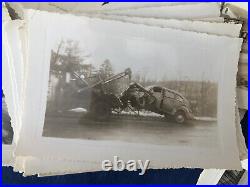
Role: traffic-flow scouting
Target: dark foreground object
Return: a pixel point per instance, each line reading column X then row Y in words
column 170, row 176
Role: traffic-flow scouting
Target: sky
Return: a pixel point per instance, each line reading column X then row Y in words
column 150, row 51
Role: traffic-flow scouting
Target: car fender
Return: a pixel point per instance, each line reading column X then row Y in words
column 182, row 108
column 188, row 114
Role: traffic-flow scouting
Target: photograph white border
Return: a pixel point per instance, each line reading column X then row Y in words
column 96, row 151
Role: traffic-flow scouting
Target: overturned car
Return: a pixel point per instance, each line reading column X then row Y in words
column 158, row 99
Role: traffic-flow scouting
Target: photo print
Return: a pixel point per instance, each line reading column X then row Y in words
column 109, row 88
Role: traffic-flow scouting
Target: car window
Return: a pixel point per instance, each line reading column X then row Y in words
column 157, row 89
column 169, row 94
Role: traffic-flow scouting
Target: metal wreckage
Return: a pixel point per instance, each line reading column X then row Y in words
column 136, row 98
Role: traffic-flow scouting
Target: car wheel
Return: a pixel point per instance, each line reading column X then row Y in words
column 180, row 117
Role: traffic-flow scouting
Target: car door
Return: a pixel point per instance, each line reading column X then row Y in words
column 168, row 101
column 157, row 93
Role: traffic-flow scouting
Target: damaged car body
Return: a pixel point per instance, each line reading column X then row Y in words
column 159, row 100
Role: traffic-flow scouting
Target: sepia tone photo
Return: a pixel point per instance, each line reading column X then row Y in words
column 95, row 101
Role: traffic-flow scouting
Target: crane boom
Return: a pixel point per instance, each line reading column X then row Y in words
column 127, row 72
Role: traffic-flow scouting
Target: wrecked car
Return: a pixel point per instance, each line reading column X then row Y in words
column 159, row 100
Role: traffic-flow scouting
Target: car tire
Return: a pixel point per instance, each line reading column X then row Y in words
column 180, row 117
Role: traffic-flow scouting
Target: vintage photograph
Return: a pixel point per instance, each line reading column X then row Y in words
column 93, row 101
column 7, row 131
column 105, row 88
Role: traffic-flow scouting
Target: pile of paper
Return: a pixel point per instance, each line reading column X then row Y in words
column 152, row 85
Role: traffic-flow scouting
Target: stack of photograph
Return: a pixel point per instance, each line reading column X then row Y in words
column 150, row 85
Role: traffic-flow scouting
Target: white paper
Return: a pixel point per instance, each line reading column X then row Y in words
column 79, row 8
column 232, row 30
column 13, row 77
column 189, row 11
column 63, row 149
column 7, row 87
column 210, row 176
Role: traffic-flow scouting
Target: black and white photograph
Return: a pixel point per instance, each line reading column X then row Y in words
column 106, row 88
column 90, row 100
column 7, row 131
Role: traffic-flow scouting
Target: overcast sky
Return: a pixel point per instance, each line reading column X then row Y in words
column 151, row 51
